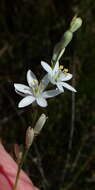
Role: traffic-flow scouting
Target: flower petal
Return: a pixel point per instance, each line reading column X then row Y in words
column 65, row 77
column 51, row 93
column 69, row 87
column 41, row 101
column 22, row 88
column 20, row 93
column 56, row 67
column 31, row 78
column 46, row 67
column 60, row 87
column 44, row 82
column 26, row 101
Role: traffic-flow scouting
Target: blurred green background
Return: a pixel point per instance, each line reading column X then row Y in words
column 63, row 155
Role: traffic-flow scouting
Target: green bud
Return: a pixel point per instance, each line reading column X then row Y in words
column 60, row 47
column 58, row 52
column 67, row 37
column 75, row 24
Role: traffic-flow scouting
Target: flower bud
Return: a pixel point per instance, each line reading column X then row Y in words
column 75, row 24
column 18, row 152
column 29, row 137
column 58, row 52
column 67, row 37
column 60, row 47
column 40, row 123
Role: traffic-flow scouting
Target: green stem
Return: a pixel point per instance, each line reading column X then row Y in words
column 19, row 168
column 24, row 155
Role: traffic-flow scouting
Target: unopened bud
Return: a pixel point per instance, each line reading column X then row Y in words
column 40, row 123
column 58, row 52
column 18, row 153
column 29, row 137
column 75, row 24
column 67, row 37
column 60, row 47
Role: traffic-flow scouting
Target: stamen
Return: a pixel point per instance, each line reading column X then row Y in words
column 34, row 84
column 42, row 86
column 35, row 81
column 61, row 67
column 66, row 70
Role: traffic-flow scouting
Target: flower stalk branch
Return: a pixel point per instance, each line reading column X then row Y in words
column 30, row 134
column 24, row 155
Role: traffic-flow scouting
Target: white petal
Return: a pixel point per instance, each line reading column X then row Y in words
column 69, row 87
column 31, row 78
column 51, row 93
column 65, row 77
column 20, row 93
column 26, row 101
column 41, row 101
column 56, row 67
column 44, row 82
column 60, row 87
column 46, row 67
column 22, row 88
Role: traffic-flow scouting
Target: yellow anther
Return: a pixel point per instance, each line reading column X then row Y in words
column 42, row 86
column 66, row 70
column 61, row 67
column 35, row 81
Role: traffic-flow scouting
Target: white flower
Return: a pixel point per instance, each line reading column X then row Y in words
column 34, row 93
column 58, row 77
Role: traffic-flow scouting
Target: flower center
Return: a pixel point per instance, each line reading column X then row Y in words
column 61, row 67
column 58, row 74
column 37, row 88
